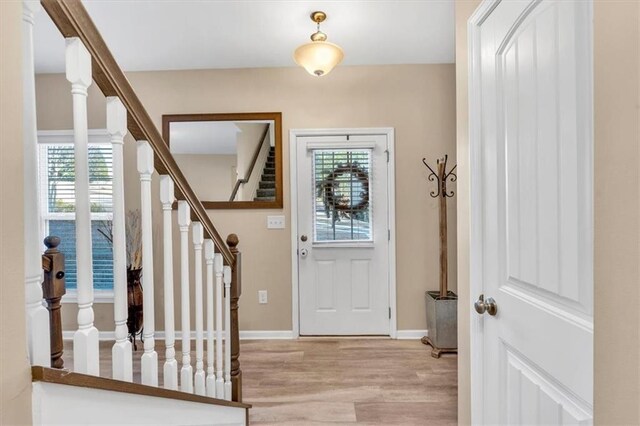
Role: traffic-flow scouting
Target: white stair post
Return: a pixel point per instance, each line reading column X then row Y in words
column 186, row 372
column 227, row 333
column 38, row 337
column 85, row 339
column 167, row 198
column 149, row 364
column 198, row 239
column 217, row 264
column 209, row 254
column 121, row 351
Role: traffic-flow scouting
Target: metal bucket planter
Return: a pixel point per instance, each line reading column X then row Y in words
column 442, row 323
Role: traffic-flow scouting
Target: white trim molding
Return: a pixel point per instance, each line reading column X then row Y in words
column 389, row 132
column 244, row 335
column 411, row 334
column 259, row 335
column 266, row 335
column 99, row 296
column 475, row 210
column 57, row 137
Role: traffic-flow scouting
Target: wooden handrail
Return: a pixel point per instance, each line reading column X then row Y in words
column 256, row 154
column 73, row 20
column 236, row 187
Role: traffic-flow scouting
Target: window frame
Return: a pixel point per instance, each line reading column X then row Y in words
column 365, row 242
column 66, row 137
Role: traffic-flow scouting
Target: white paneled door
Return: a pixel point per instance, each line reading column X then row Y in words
column 532, row 226
column 343, row 235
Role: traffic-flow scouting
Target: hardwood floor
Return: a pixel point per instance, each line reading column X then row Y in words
column 348, row 381
column 339, row 381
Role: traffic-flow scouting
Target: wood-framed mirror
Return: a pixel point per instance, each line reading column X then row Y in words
column 231, row 160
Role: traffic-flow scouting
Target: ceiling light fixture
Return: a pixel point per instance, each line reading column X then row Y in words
column 318, row 57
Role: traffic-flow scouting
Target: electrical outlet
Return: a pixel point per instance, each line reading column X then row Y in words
column 275, row 222
column 262, row 297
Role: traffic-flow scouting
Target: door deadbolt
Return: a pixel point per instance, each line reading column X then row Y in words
column 303, row 238
column 489, row 305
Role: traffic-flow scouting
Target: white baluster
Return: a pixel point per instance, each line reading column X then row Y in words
column 217, row 264
column 167, row 198
column 85, row 339
column 149, row 365
column 198, row 239
column 227, row 333
column 121, row 351
column 186, row 373
column 209, row 254
column 38, row 338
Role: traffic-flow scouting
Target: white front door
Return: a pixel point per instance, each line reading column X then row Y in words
column 343, row 235
column 532, row 213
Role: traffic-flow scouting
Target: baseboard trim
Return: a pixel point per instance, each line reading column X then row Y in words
column 411, row 334
column 102, row 335
column 160, row 335
column 266, row 334
column 249, row 335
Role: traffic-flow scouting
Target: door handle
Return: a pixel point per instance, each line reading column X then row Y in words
column 303, row 253
column 489, row 305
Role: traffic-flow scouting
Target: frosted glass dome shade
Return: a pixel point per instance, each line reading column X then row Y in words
column 318, row 57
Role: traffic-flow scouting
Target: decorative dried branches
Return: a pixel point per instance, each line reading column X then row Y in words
column 133, row 228
column 133, row 237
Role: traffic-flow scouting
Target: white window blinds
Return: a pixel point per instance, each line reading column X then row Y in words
column 57, row 171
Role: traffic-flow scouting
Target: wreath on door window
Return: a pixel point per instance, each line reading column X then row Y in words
column 340, row 202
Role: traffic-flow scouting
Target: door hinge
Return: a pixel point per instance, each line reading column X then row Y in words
column 389, row 312
column 388, row 234
column 386, row 151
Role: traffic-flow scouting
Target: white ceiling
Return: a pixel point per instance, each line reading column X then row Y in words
column 188, row 34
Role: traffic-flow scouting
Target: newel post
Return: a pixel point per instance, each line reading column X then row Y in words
column 53, row 289
column 236, row 291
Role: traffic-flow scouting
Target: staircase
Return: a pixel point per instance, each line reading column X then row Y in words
column 267, row 186
column 188, row 388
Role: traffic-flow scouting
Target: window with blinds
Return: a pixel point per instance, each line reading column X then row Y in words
column 57, row 183
column 342, row 207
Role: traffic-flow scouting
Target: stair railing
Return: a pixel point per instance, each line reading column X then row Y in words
column 247, row 175
column 88, row 59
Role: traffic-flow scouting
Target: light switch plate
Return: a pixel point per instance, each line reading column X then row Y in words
column 262, row 297
column 275, row 222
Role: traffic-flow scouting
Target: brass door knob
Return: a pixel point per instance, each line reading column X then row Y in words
column 489, row 305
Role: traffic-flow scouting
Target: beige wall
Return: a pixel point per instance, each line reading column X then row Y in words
column 417, row 100
column 248, row 140
column 617, row 210
column 211, row 176
column 15, row 373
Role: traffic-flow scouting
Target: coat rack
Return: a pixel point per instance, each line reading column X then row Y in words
column 441, row 176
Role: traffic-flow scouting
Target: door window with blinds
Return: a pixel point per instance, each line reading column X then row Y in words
column 57, row 195
column 342, row 206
